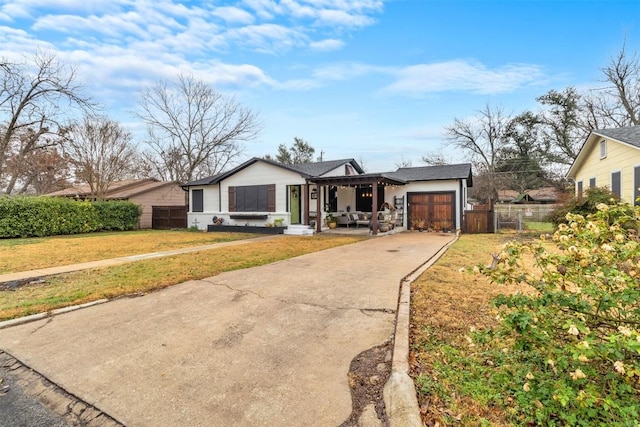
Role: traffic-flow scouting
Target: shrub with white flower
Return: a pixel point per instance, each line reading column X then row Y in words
column 580, row 359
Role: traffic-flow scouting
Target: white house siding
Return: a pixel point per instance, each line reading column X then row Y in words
column 210, row 202
column 216, row 200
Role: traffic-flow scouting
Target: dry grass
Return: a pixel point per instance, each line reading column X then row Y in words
column 33, row 253
column 149, row 275
column 446, row 304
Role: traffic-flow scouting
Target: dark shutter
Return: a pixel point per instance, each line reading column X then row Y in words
column 232, row 199
column 271, row 198
column 579, row 189
column 636, row 185
column 616, row 184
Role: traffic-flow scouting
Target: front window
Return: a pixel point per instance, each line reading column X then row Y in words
column 252, row 198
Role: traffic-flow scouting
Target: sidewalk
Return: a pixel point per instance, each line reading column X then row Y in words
column 264, row 346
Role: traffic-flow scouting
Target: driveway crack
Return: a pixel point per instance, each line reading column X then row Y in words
column 241, row 292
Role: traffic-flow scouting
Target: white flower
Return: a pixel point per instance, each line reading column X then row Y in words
column 607, row 247
column 583, row 358
column 526, row 387
column 602, row 207
column 619, row 366
column 619, row 238
column 573, row 330
column 624, row 331
column 578, row 374
column 529, row 376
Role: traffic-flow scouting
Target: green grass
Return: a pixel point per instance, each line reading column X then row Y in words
column 540, row 227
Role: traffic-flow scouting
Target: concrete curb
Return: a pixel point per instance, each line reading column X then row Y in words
column 400, row 398
column 39, row 316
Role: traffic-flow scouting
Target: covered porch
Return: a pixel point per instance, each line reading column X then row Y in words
column 367, row 188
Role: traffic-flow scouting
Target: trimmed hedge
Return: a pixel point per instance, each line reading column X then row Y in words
column 29, row 216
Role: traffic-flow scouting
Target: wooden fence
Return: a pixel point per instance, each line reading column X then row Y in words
column 478, row 221
column 168, row 217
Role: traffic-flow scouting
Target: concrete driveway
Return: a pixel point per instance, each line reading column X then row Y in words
column 266, row 346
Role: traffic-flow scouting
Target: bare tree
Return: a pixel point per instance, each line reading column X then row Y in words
column 618, row 103
column 403, row 163
column 482, row 140
column 193, row 130
column 43, row 171
column 102, row 153
column 435, row 158
column 36, row 99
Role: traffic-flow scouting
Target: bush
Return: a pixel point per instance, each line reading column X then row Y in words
column 582, row 206
column 28, row 216
column 572, row 346
column 117, row 215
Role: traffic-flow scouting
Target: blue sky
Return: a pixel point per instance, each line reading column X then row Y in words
column 370, row 79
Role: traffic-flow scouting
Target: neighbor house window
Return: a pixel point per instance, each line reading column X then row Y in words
column 603, row 148
column 616, row 184
column 579, row 189
column 197, row 201
column 252, row 198
column 592, row 183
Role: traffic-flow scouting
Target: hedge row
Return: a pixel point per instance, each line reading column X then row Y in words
column 28, row 216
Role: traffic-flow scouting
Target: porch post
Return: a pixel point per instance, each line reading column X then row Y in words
column 305, row 219
column 318, row 211
column 374, row 207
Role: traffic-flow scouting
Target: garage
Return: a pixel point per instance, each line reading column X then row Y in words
column 436, row 209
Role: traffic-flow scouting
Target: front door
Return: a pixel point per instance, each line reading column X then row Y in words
column 294, row 203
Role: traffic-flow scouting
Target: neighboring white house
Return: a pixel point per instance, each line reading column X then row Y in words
column 259, row 192
column 609, row 158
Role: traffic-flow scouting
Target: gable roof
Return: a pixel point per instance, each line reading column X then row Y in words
column 317, row 169
column 435, row 173
column 306, row 170
column 629, row 136
column 117, row 190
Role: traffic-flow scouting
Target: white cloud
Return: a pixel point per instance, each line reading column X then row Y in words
column 268, row 38
column 462, row 76
column 234, row 15
column 326, row 45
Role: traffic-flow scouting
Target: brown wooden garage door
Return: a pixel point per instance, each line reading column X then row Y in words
column 436, row 208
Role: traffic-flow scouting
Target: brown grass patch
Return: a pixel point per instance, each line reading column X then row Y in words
column 445, row 305
column 149, row 275
column 33, row 253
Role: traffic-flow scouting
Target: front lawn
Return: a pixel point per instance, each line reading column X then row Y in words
column 447, row 306
column 33, row 253
column 149, row 275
